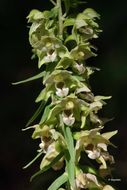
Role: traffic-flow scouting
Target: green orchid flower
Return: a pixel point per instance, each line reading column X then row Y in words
column 81, row 52
column 95, row 145
column 52, row 143
column 49, row 49
column 86, row 25
column 70, row 107
column 86, row 180
column 61, row 83
column 67, row 62
column 58, row 83
column 89, row 181
column 43, row 24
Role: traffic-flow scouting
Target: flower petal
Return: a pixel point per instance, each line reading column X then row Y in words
column 92, row 178
column 102, row 145
column 62, row 92
column 68, row 120
column 93, row 154
column 108, row 187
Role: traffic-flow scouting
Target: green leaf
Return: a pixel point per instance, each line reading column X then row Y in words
column 45, row 94
column 38, row 155
column 71, row 159
column 40, row 75
column 64, row 63
column 54, row 112
column 58, row 182
column 54, row 161
column 89, row 169
column 45, row 114
column 38, row 111
column 47, row 159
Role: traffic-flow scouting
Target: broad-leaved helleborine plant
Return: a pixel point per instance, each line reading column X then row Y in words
column 70, row 128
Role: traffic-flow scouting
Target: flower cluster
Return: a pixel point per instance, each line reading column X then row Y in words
column 70, row 126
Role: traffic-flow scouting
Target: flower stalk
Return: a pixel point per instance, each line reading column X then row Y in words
column 70, row 128
column 60, row 19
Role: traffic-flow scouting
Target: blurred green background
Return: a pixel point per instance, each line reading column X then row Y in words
column 17, row 102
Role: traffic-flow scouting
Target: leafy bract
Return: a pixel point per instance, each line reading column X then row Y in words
column 71, row 159
column 55, row 160
column 40, row 75
column 58, row 182
column 37, row 113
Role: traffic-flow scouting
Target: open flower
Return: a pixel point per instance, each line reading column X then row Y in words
column 94, row 151
column 52, row 143
column 70, row 109
column 46, row 134
column 99, row 153
column 50, row 56
column 81, row 52
column 86, row 25
column 86, row 180
column 64, row 82
column 49, row 49
column 95, row 145
column 59, row 83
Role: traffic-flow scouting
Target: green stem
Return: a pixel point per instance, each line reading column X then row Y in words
column 60, row 19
